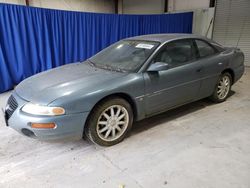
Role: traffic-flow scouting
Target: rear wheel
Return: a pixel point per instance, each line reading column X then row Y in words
column 222, row 88
column 109, row 122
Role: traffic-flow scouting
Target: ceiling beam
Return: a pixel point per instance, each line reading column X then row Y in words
column 27, row 2
column 116, row 6
column 166, row 6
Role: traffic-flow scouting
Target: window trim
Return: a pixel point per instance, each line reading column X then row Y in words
column 206, row 42
column 165, row 45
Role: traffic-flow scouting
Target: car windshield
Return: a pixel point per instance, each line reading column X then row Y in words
column 124, row 56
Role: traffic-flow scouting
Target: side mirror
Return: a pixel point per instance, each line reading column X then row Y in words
column 158, row 66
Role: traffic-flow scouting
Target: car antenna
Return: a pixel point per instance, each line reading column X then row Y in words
column 241, row 31
column 211, row 21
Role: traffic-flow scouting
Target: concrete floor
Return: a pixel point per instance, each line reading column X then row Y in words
column 199, row 145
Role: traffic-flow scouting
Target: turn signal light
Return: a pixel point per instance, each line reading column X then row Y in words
column 43, row 125
column 58, row 111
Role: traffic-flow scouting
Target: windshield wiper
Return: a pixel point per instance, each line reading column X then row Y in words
column 108, row 67
column 91, row 63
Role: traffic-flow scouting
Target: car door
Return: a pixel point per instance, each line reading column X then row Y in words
column 179, row 84
column 213, row 64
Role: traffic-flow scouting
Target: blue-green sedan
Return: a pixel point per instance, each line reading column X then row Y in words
column 131, row 80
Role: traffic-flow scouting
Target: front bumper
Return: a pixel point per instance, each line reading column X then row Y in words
column 68, row 125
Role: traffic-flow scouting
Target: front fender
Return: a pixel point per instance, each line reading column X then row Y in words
column 84, row 101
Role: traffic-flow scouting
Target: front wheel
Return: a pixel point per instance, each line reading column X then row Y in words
column 109, row 122
column 222, row 88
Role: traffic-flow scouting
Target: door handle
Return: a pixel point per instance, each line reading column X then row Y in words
column 220, row 63
column 199, row 70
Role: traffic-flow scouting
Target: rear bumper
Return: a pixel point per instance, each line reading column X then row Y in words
column 69, row 125
column 238, row 72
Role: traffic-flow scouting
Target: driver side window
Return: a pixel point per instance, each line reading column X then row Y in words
column 176, row 53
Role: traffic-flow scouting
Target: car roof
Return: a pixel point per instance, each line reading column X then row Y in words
column 165, row 37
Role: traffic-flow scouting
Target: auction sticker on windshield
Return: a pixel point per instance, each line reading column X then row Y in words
column 145, row 46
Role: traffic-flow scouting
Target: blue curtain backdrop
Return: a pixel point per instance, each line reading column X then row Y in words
column 34, row 39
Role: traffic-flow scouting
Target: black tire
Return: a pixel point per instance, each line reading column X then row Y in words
column 215, row 96
column 92, row 125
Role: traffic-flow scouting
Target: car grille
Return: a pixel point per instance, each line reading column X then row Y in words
column 11, row 107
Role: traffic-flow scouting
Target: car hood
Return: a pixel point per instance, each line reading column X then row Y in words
column 47, row 86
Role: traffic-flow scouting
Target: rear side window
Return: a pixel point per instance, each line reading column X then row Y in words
column 204, row 48
column 176, row 53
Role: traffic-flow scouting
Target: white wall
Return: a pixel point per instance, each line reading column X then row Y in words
column 125, row 6
column 180, row 5
column 203, row 21
column 157, row 6
column 143, row 6
column 19, row 2
column 105, row 6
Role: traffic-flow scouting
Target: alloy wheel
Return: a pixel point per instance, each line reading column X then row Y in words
column 223, row 87
column 112, row 123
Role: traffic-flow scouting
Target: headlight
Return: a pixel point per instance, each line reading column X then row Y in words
column 43, row 110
